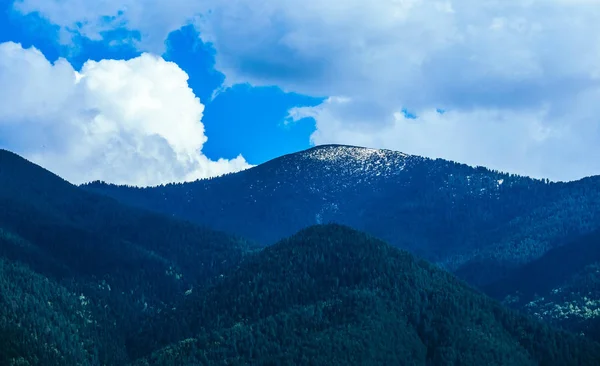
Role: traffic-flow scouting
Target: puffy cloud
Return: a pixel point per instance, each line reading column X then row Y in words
column 130, row 122
column 503, row 70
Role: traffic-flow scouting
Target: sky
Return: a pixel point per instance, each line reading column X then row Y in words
column 146, row 92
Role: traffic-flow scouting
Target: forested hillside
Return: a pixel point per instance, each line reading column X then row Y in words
column 330, row 295
column 562, row 287
column 479, row 223
column 63, row 248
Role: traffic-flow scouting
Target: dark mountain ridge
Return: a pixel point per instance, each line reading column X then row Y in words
column 477, row 222
column 123, row 263
column 41, row 208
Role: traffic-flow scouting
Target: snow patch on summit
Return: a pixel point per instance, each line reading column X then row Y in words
column 353, row 161
column 342, row 153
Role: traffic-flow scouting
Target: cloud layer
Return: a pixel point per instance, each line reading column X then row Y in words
column 520, row 81
column 128, row 122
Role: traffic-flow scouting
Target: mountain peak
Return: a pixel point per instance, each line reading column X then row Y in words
column 342, row 240
column 339, row 153
column 20, row 174
column 353, row 161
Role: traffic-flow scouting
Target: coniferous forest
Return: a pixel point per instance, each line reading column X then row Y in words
column 324, row 257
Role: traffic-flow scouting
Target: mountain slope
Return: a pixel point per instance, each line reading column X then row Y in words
column 332, row 295
column 562, row 287
column 474, row 221
column 124, row 263
column 40, row 322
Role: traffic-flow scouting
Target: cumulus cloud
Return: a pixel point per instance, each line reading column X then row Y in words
column 519, row 80
column 129, row 122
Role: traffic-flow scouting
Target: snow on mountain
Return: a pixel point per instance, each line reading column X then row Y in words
column 445, row 211
column 359, row 160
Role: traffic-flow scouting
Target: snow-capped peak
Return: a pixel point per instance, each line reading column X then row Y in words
column 337, row 153
column 361, row 163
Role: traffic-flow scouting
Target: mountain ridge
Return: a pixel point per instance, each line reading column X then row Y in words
column 410, row 201
column 95, row 259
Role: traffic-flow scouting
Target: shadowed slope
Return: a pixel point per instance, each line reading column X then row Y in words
column 332, row 295
column 125, row 263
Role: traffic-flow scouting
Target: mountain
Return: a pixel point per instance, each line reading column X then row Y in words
column 97, row 268
column 86, row 280
column 330, row 295
column 479, row 223
column 561, row 287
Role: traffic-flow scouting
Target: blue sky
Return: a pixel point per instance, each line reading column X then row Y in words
column 155, row 91
column 255, row 114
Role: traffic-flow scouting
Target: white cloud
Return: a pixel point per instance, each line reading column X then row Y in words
column 523, row 141
column 504, row 70
column 130, row 122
